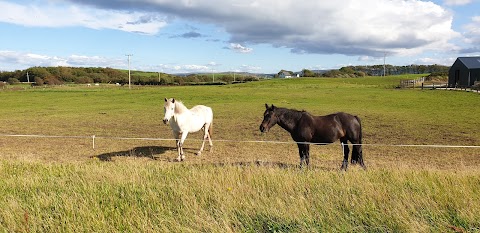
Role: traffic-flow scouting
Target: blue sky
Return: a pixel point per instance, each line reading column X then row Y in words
column 264, row 36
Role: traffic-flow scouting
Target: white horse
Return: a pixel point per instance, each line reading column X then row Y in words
column 184, row 121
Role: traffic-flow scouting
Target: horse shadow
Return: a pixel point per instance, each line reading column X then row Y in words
column 139, row 152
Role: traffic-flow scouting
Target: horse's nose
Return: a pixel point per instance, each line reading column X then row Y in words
column 262, row 128
column 165, row 120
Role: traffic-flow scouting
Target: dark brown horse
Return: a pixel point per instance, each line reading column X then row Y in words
column 306, row 129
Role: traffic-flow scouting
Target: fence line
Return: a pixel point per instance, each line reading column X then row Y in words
column 412, row 83
column 94, row 137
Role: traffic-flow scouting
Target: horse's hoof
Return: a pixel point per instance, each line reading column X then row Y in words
column 198, row 153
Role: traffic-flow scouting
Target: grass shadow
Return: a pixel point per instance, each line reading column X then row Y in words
column 143, row 151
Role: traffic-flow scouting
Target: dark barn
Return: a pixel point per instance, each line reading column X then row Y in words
column 464, row 72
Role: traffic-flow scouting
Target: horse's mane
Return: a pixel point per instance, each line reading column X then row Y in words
column 291, row 113
column 180, row 107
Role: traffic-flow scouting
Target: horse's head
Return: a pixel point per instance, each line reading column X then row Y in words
column 269, row 118
column 168, row 109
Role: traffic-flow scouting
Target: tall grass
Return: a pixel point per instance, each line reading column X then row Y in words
column 151, row 197
column 64, row 185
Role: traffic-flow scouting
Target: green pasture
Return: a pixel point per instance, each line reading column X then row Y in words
column 130, row 183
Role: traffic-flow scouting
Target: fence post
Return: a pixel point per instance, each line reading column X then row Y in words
column 93, row 141
column 343, row 149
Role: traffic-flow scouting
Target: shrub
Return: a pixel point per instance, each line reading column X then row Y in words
column 12, row 81
column 84, row 80
column 52, row 80
column 38, row 81
column 476, row 86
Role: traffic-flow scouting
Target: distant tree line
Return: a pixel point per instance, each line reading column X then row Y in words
column 83, row 75
column 60, row 75
column 377, row 70
column 193, row 79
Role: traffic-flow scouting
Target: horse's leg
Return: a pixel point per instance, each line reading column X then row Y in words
column 357, row 151
column 307, row 154
column 354, row 158
column 301, row 152
column 176, row 135
column 177, row 143
column 182, row 140
column 205, row 133
column 346, row 150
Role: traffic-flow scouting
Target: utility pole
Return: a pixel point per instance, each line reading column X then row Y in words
column 384, row 57
column 28, row 78
column 129, row 55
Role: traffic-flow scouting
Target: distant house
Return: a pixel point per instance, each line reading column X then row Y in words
column 464, row 72
column 285, row 74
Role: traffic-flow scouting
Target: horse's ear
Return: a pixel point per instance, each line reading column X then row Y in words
column 266, row 106
column 273, row 107
column 166, row 100
column 173, row 100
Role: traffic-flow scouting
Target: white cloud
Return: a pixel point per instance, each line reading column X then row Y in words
column 369, row 59
column 248, row 68
column 212, row 64
column 436, row 60
column 457, row 2
column 59, row 15
column 19, row 60
column 349, row 27
column 472, row 31
column 192, row 68
column 240, row 48
column 25, row 60
column 184, row 68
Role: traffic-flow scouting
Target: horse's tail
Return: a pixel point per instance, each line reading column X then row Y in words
column 359, row 152
column 360, row 130
column 210, row 128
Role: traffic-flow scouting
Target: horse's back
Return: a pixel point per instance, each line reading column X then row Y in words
column 331, row 127
column 204, row 112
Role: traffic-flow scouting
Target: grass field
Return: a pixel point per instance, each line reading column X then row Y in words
column 133, row 185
